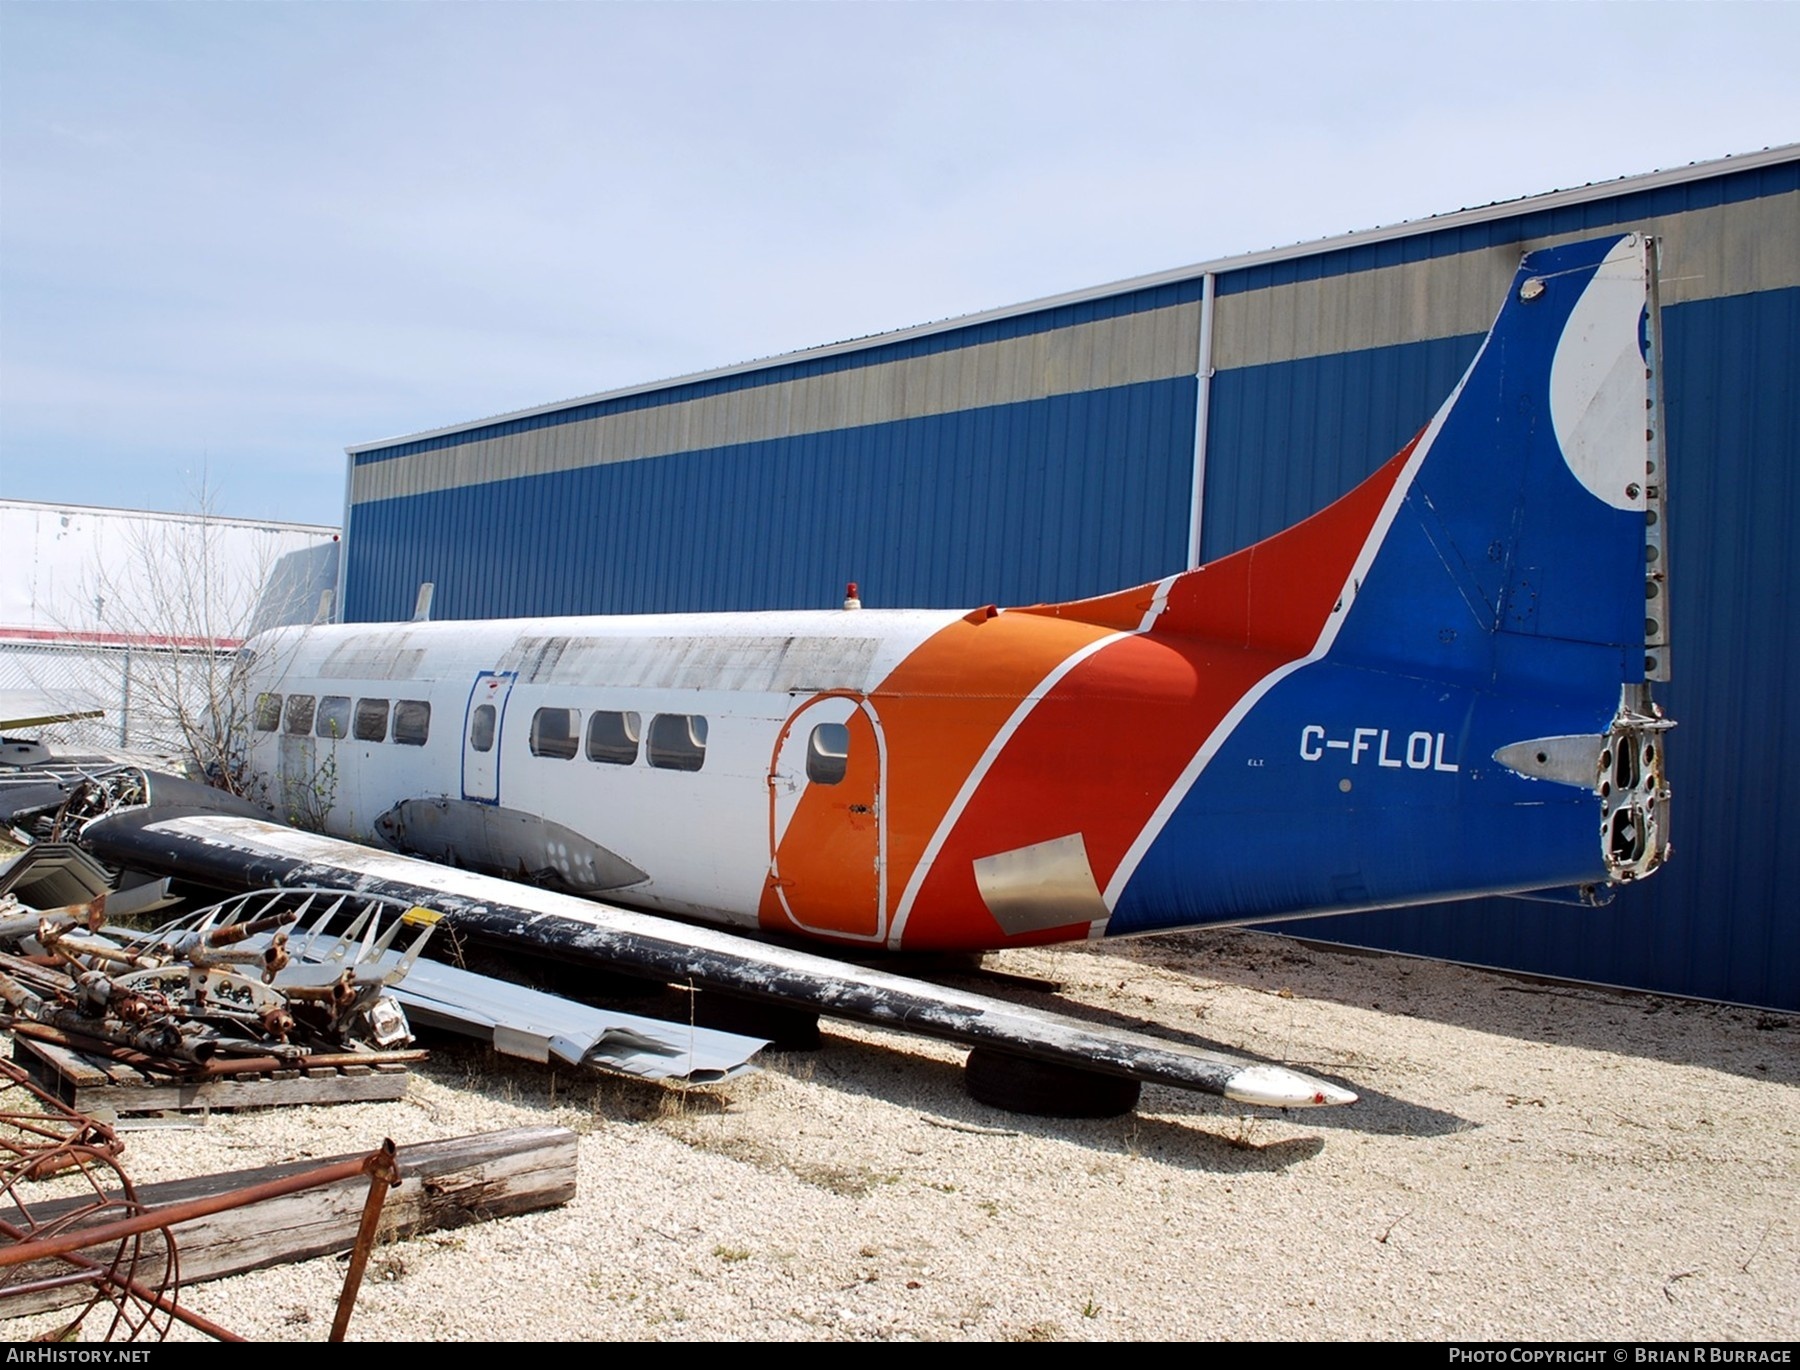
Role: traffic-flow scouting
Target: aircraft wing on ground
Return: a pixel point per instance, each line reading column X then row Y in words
column 237, row 851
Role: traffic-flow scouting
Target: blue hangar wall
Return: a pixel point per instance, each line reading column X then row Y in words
column 1049, row 452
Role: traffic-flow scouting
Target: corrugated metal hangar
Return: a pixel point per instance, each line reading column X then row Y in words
column 1101, row 439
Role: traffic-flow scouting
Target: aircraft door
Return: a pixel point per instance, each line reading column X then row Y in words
column 827, row 831
column 482, row 723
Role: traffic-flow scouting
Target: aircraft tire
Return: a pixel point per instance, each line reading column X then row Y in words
column 1019, row 1084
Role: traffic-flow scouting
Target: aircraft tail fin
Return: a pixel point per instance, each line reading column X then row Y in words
column 1517, row 537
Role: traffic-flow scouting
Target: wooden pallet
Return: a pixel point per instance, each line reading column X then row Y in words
column 91, row 1083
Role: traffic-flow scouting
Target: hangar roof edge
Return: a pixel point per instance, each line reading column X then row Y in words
column 8, row 504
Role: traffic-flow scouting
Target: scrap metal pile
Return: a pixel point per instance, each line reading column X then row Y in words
column 255, row 979
column 306, row 974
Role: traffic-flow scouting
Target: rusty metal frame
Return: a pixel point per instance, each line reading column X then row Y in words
column 41, row 1137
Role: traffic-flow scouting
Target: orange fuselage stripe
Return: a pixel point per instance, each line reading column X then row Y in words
column 1104, row 745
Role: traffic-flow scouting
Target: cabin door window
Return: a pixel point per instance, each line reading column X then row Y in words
column 827, row 832
column 483, row 727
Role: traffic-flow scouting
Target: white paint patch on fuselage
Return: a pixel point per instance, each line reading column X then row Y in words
column 1597, row 382
column 702, row 835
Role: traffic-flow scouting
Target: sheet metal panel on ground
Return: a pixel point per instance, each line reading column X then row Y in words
column 1048, row 451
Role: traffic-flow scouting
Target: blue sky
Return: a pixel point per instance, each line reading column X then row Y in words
column 236, row 238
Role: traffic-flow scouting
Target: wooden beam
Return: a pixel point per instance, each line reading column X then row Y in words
column 444, row 1184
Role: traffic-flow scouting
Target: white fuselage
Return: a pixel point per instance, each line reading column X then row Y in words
column 702, row 838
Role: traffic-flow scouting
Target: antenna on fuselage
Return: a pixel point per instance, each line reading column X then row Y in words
column 422, row 605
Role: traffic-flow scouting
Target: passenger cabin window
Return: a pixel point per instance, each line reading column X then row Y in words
column 555, row 733
column 678, row 742
column 613, row 737
column 412, row 722
column 828, row 753
column 267, row 717
column 481, row 728
column 298, row 719
column 334, row 717
column 371, row 720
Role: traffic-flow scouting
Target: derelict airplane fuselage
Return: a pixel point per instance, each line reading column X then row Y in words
column 1435, row 688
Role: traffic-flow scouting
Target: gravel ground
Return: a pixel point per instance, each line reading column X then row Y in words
column 1528, row 1161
